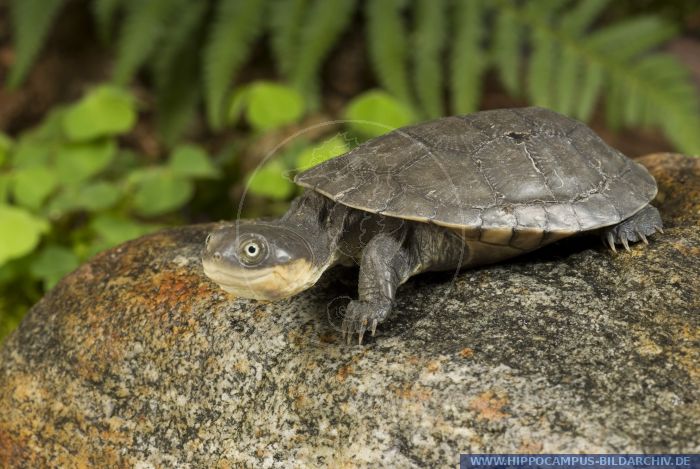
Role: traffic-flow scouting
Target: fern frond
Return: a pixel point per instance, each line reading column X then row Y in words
column 467, row 59
column 386, row 37
column 543, row 57
column 324, row 23
column 429, row 41
column 176, row 69
column 630, row 38
column 506, row 47
column 639, row 89
column 179, row 33
column 104, row 12
column 286, row 21
column 236, row 26
column 31, row 20
column 142, row 27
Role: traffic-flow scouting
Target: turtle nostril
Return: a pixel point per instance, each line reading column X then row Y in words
column 217, row 256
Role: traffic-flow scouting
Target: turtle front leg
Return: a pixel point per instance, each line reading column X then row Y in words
column 636, row 228
column 385, row 264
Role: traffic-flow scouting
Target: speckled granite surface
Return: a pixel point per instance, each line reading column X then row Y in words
column 136, row 360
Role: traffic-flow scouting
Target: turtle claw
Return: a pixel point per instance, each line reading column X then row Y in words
column 611, row 241
column 641, row 236
column 625, row 243
column 361, row 316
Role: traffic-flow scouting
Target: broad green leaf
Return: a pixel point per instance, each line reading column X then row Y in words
column 31, row 186
column 98, row 196
column 20, row 232
column 161, row 191
column 30, row 153
column 321, row 152
column 112, row 230
column 5, row 185
column 77, row 162
column 468, row 60
column 192, row 161
column 428, row 46
column 376, row 112
column 106, row 110
column 269, row 181
column 239, row 102
column 5, row 147
column 272, row 105
column 52, row 263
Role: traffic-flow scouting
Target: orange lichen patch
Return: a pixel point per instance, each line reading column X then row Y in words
column 679, row 192
column 528, row 446
column 175, row 288
column 433, row 366
column 413, row 392
column 343, row 373
column 489, row 406
column 14, row 451
column 466, row 352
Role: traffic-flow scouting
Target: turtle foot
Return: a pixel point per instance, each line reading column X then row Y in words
column 636, row 228
column 361, row 316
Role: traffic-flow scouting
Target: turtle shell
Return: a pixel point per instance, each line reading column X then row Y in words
column 503, row 171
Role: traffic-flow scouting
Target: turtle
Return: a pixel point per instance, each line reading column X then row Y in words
column 450, row 193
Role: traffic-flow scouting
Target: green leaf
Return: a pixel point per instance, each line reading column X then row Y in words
column 321, row 152
column 272, row 105
column 77, row 162
column 5, row 147
column 386, row 38
column 104, row 111
column 114, row 230
column 506, row 49
column 92, row 197
column 239, row 102
column 52, row 264
column 270, row 181
column 30, row 21
column 20, row 232
column 161, row 191
column 29, row 153
column 141, row 29
column 323, row 24
column 192, row 161
column 5, row 185
column 376, row 112
column 429, row 41
column 286, row 21
column 31, row 186
column 104, row 12
column 235, row 27
column 468, row 61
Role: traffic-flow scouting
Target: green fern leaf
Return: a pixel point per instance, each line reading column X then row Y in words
column 387, row 46
column 143, row 25
column 540, row 72
column 324, row 23
column 104, row 12
column 179, row 33
column 31, row 20
column 176, row 69
column 591, row 82
column 429, row 41
column 506, row 47
column 236, row 26
column 628, row 39
column 286, row 20
column 582, row 16
column 467, row 60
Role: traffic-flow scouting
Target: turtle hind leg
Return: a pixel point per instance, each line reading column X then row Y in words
column 644, row 223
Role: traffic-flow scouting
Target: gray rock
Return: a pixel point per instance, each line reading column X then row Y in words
column 137, row 360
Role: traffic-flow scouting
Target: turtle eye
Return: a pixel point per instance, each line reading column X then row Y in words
column 251, row 251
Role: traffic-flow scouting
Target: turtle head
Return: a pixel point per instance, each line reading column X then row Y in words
column 260, row 260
